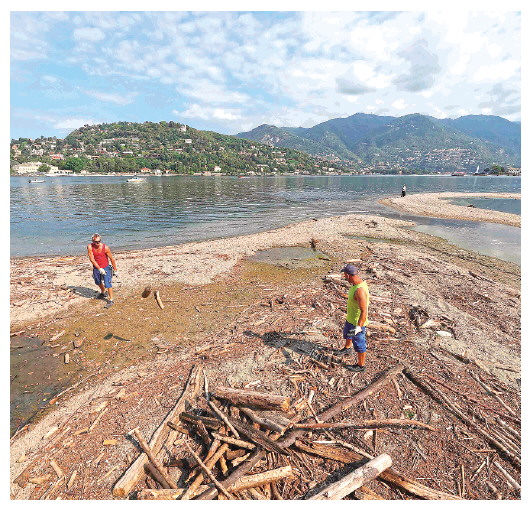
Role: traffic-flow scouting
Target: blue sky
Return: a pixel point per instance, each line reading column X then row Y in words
column 231, row 71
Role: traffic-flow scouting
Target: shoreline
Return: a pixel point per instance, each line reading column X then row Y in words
column 62, row 281
column 227, row 312
column 434, row 205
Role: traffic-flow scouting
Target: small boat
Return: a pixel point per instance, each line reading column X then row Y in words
column 35, row 180
column 458, row 174
column 136, row 179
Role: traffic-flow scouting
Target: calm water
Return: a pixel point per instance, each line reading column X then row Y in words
column 58, row 217
column 509, row 205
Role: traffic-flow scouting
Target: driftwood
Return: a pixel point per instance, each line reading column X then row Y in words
column 369, row 424
column 390, row 475
column 294, row 434
column 258, row 437
column 364, row 493
column 131, row 477
column 253, row 398
column 244, row 483
column 235, row 442
column 158, row 300
column 372, row 469
column 223, row 417
column 145, row 447
column 263, row 421
column 207, row 471
column 208, row 421
column 444, row 401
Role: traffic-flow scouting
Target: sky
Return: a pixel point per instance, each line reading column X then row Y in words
column 230, row 71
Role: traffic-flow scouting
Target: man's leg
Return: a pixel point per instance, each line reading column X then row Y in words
column 361, row 358
column 109, row 290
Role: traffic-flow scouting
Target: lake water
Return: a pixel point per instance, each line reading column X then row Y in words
column 59, row 216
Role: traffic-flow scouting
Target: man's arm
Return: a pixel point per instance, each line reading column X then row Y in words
column 111, row 257
column 91, row 256
column 361, row 298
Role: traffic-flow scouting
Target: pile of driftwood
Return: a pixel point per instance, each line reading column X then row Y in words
column 243, row 444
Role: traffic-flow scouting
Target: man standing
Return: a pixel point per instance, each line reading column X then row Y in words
column 100, row 254
column 354, row 332
column 403, row 190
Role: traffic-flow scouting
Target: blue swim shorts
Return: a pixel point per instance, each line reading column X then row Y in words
column 107, row 279
column 359, row 340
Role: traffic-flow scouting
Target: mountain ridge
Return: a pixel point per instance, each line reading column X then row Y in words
column 410, row 142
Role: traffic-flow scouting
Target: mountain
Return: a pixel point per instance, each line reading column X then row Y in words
column 411, row 143
column 164, row 146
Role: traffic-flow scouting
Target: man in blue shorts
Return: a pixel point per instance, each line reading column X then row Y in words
column 354, row 332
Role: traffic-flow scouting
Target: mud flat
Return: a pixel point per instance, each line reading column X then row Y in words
column 436, row 205
column 446, row 313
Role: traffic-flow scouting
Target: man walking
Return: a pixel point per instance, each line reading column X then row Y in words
column 354, row 332
column 100, row 255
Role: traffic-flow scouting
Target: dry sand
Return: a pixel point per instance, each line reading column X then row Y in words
column 433, row 204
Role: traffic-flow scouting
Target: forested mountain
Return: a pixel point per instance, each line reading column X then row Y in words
column 412, row 142
column 164, row 146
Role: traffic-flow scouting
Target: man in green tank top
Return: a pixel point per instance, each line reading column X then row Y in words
column 354, row 332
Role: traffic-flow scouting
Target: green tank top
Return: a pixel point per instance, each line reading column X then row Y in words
column 353, row 310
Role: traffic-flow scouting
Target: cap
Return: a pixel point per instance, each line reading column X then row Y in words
column 350, row 269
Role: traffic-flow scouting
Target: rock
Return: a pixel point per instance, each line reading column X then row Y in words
column 78, row 342
column 67, row 358
column 444, row 334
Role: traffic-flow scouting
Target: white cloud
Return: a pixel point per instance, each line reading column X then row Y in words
column 90, row 34
column 69, row 124
column 196, row 111
column 400, row 104
column 119, row 99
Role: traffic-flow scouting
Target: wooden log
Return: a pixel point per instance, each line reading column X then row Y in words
column 210, row 463
column 364, row 493
column 258, row 437
column 390, row 475
column 368, row 424
column 209, row 422
column 235, row 442
column 251, row 398
column 352, row 481
column 293, row 435
column 145, row 447
column 244, row 483
column 223, row 417
column 263, row 421
column 208, row 472
column 136, row 470
column 444, row 401
column 149, row 468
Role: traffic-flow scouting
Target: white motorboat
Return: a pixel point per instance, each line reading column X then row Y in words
column 136, row 179
column 35, row 180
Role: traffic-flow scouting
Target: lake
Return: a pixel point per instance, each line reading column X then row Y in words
column 58, row 216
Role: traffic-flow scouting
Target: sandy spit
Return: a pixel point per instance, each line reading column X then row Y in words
column 433, row 204
column 42, row 287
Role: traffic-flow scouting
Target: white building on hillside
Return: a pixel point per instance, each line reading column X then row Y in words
column 31, row 167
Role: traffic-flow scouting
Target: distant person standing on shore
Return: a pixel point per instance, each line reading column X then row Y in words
column 103, row 265
column 403, row 190
column 354, row 332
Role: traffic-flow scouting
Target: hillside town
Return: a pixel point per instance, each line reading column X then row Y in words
column 170, row 148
